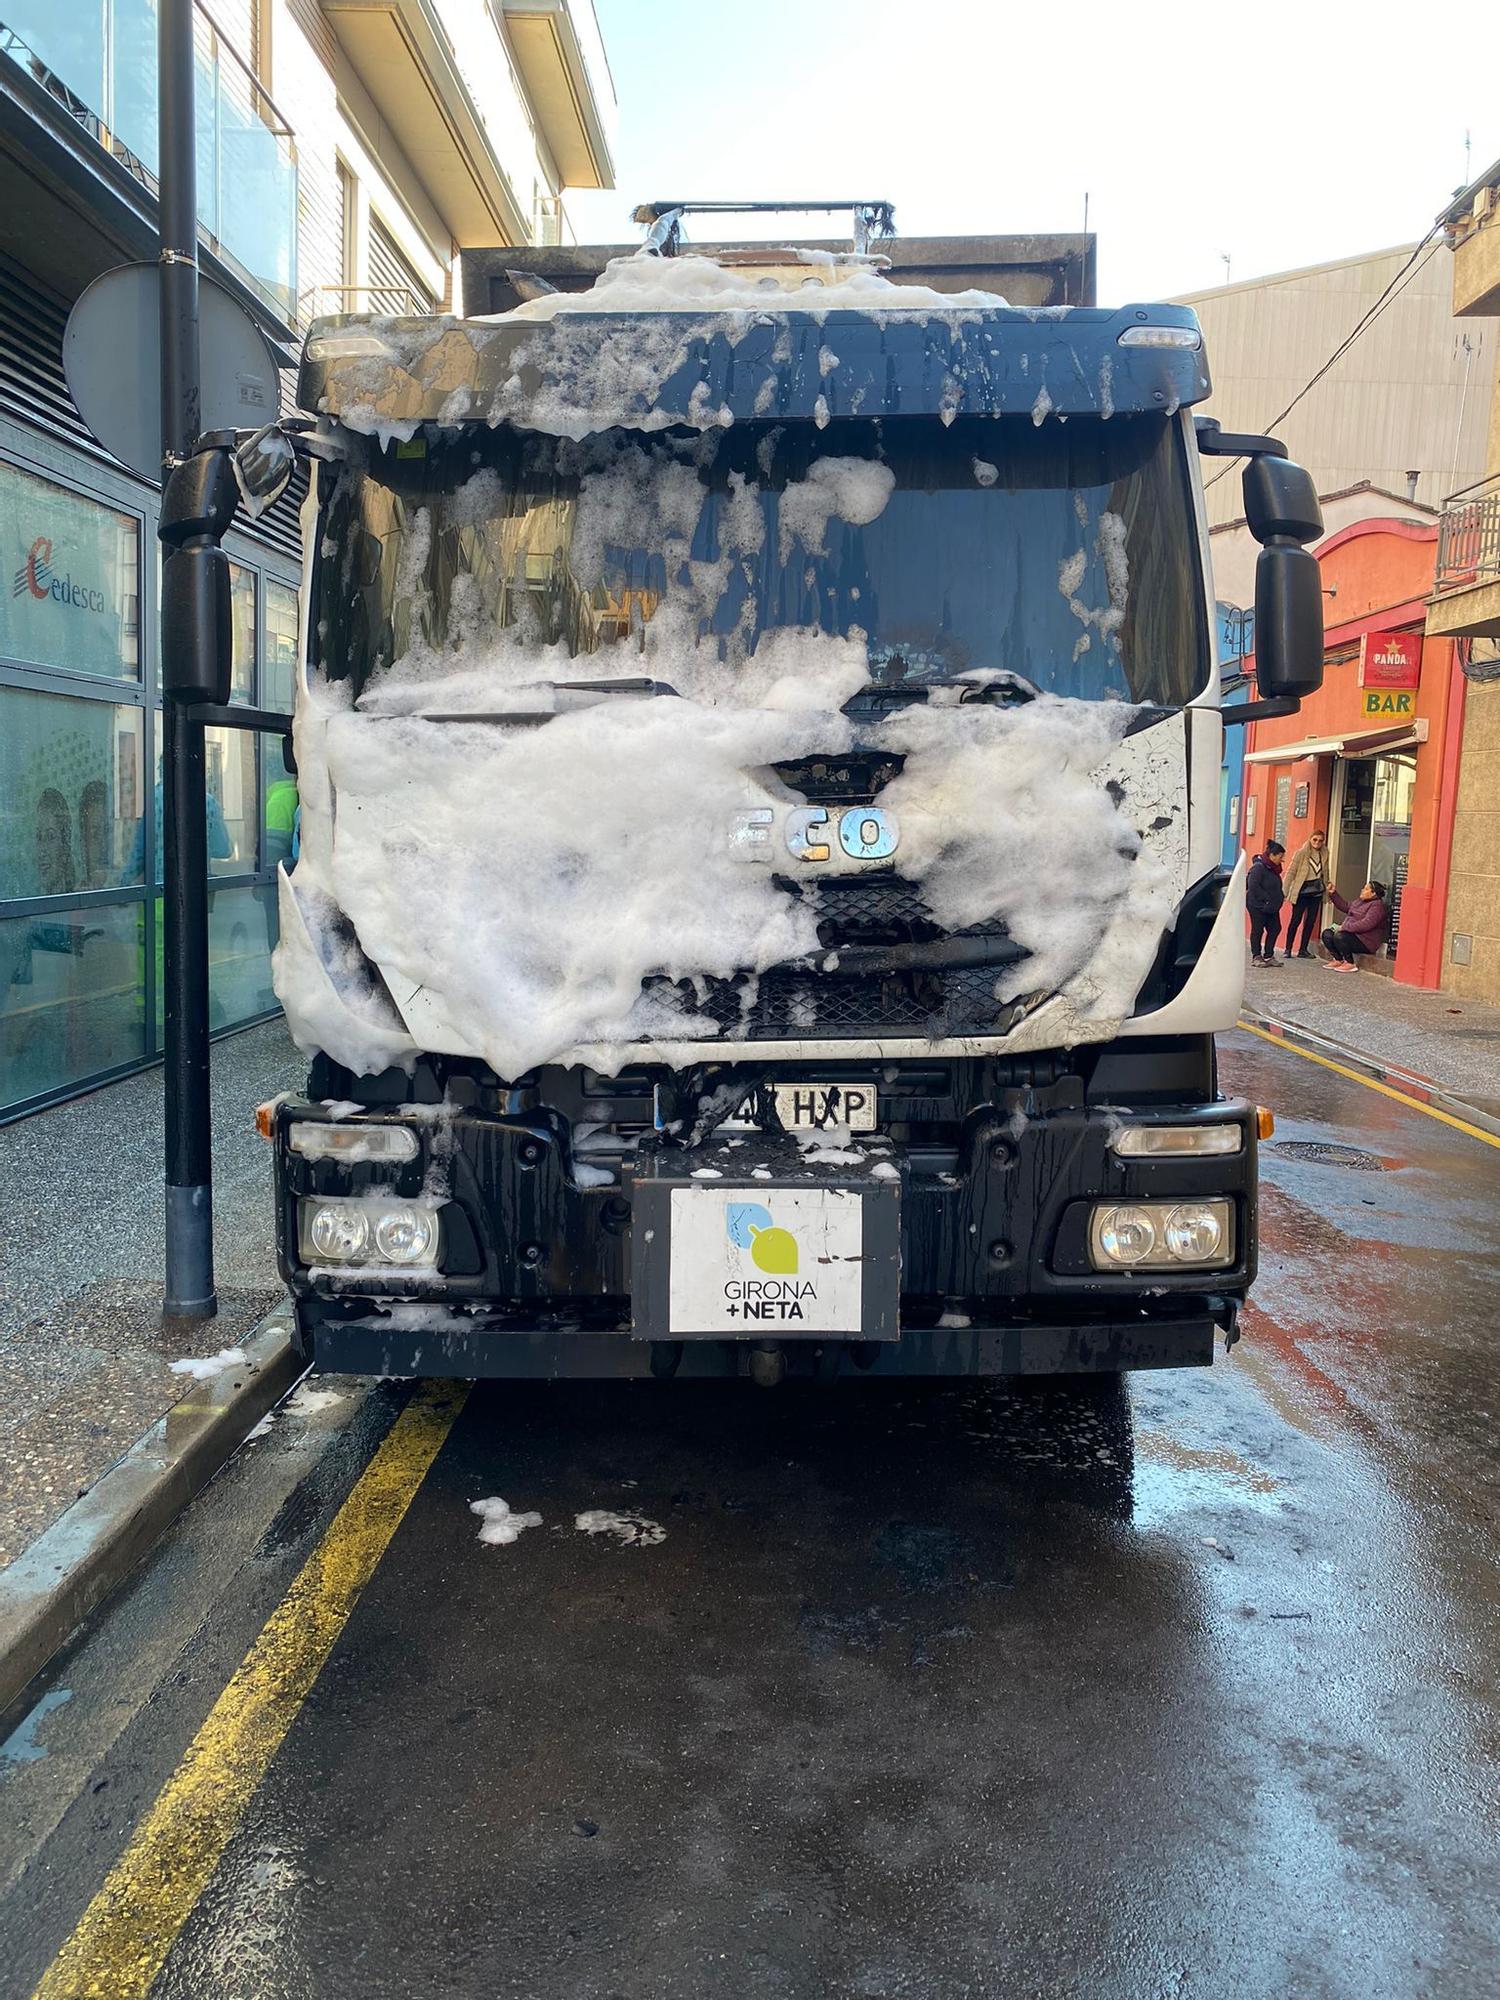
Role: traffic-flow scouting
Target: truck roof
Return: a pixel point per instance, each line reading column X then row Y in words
column 582, row 371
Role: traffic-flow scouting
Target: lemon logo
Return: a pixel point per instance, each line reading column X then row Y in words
column 775, row 1250
column 772, row 1249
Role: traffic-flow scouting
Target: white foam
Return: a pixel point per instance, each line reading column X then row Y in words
column 205, row 1368
column 500, row 1524
column 634, row 1530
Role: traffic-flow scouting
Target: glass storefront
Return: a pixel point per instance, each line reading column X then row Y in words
column 80, row 779
column 72, row 570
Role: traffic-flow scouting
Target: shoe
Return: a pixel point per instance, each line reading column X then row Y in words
column 1306, row 954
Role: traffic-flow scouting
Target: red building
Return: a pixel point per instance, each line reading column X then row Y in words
column 1372, row 758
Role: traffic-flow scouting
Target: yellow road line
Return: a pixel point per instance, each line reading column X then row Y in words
column 124, row 1935
column 1370, row 1083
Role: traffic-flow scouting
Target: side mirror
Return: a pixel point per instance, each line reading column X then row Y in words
column 1281, row 502
column 263, row 465
column 1281, row 507
column 1288, row 624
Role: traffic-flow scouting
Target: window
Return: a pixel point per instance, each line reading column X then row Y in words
column 71, row 794
column 72, row 997
column 348, row 225
column 233, row 805
column 69, row 579
column 242, row 633
column 279, row 675
column 395, row 286
column 81, row 903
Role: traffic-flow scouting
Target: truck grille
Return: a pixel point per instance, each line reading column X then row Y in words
column 805, row 1003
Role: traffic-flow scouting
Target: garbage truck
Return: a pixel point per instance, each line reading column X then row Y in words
column 757, row 907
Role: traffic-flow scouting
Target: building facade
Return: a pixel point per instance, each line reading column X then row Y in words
column 1465, row 609
column 348, row 151
column 1407, row 408
column 1371, row 759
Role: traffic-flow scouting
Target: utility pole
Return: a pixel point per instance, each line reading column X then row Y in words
column 189, row 1289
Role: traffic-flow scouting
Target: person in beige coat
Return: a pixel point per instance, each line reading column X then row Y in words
column 1306, row 886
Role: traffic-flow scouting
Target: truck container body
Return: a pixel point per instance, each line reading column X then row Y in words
column 758, row 906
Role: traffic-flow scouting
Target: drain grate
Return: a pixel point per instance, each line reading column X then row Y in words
column 1324, row 1155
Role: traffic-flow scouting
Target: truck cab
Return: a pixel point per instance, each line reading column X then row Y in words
column 758, row 908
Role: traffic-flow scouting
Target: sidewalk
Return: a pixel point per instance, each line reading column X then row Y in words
column 1433, row 1037
column 83, row 1359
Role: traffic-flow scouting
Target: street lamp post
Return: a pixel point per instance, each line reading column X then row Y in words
column 189, row 1289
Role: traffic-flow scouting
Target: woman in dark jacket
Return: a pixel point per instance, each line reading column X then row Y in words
column 1264, row 897
column 1366, row 925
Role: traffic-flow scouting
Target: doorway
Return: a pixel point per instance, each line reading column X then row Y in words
column 1373, row 823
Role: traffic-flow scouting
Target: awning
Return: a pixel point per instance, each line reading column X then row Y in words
column 1356, row 743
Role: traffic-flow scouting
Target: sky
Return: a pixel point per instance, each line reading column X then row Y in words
column 1273, row 136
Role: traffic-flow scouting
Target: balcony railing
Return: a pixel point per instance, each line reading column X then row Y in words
column 98, row 59
column 1469, row 536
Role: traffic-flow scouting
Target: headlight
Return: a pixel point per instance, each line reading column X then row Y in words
column 1125, row 1235
column 340, row 1232
column 1195, row 1233
column 406, row 1235
column 1153, row 1235
column 379, row 1231
column 351, row 1143
column 1176, row 1142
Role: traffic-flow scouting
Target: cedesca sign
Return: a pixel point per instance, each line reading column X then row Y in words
column 36, row 577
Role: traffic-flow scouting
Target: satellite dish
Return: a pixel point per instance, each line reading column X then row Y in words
column 112, row 359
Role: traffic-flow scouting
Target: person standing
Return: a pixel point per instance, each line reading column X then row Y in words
column 1366, row 926
column 1264, row 896
column 1306, row 886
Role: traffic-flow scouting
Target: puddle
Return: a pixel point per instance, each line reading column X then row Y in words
column 1173, row 1478
column 21, row 1746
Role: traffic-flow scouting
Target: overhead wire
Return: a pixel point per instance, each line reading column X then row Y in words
column 1366, row 320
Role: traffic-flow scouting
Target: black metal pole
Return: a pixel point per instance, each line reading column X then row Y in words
column 189, row 1290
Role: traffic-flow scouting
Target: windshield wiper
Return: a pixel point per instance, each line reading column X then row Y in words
column 997, row 689
column 595, row 690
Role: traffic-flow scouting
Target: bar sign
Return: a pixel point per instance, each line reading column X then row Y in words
column 1390, row 660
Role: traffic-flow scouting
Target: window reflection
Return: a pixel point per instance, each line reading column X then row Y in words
column 279, row 679
column 242, row 633
column 70, row 794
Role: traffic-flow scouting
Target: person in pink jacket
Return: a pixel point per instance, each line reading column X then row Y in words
column 1366, row 926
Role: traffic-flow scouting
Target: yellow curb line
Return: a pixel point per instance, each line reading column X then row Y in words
column 123, row 1938
column 1370, row 1083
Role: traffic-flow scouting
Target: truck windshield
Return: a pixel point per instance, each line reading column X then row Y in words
column 1065, row 553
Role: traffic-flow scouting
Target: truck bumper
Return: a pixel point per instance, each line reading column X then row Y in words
column 348, row 1342
column 986, row 1239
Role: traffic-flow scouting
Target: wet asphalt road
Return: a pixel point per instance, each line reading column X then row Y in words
column 1189, row 1688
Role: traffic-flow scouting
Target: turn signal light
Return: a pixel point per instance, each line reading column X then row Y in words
column 265, row 1118
column 1175, row 1142
column 1265, row 1121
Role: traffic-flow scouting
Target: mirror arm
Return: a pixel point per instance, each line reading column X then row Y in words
column 1215, row 442
column 1260, row 711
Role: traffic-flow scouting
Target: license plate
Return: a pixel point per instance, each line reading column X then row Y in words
column 808, row 1107
column 764, row 1262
